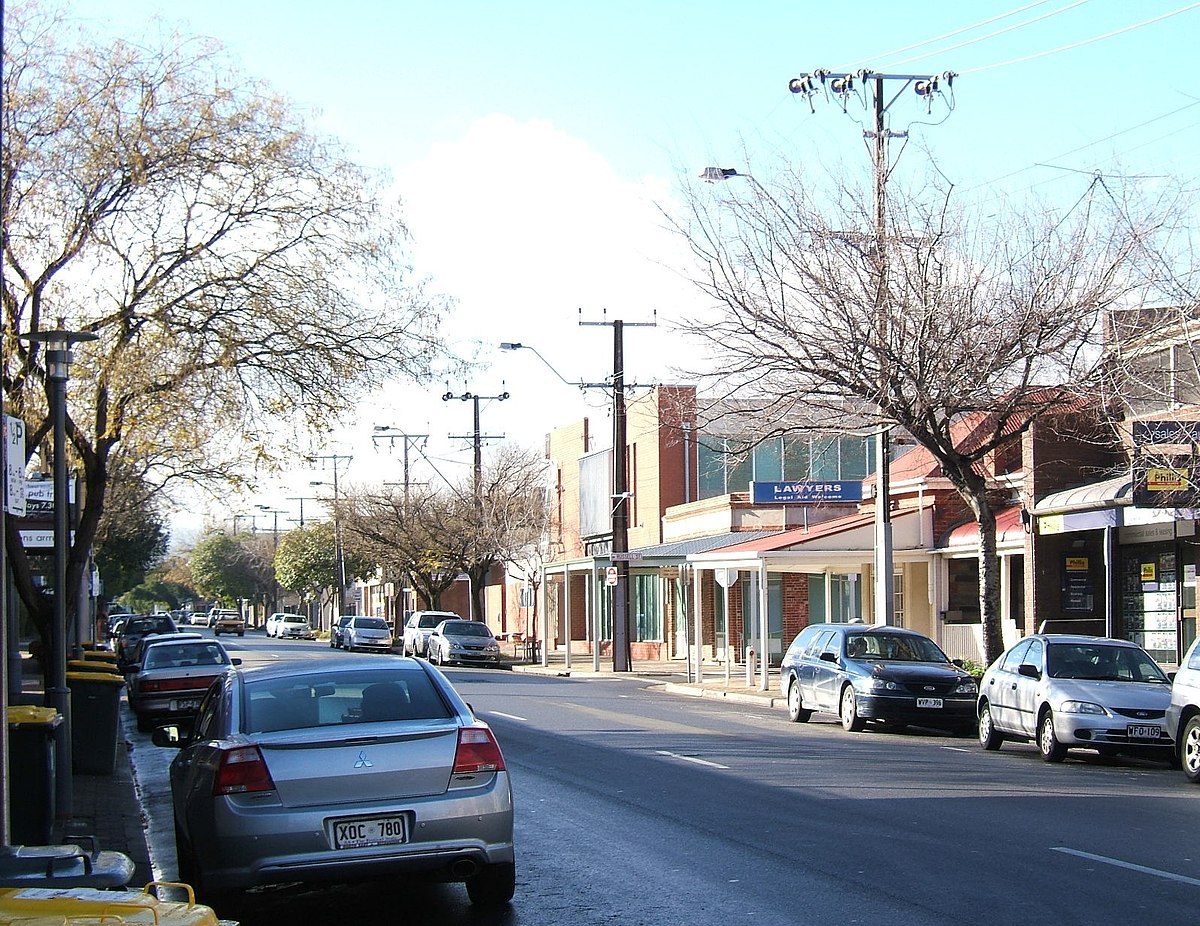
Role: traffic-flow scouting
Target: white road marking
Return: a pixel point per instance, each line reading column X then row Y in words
column 509, row 716
column 1158, row 873
column 673, row 755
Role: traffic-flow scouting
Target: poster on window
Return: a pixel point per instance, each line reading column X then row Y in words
column 1078, row 592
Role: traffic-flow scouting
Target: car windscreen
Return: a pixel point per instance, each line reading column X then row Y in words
column 430, row 620
column 1102, row 662
column 294, row 619
column 322, row 699
column 466, row 629
column 897, row 647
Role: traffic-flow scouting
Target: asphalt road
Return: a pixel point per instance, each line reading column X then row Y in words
column 635, row 806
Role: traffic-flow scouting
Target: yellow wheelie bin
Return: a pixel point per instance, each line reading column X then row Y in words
column 81, row 905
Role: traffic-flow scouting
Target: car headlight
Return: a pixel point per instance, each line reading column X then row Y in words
column 882, row 684
column 455, row 646
column 1081, row 707
column 966, row 686
column 493, row 647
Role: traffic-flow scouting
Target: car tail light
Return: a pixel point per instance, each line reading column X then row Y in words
column 195, row 683
column 477, row 752
column 242, row 771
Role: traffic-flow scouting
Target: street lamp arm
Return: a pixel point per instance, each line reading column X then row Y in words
column 516, row 345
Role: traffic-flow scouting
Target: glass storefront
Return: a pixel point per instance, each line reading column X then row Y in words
column 1156, row 588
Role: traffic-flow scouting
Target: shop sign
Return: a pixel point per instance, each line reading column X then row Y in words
column 1079, row 594
column 805, row 493
column 1165, row 484
column 1147, row 533
column 1076, row 521
column 1166, row 432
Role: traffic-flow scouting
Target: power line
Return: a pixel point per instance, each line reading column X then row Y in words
column 1082, row 42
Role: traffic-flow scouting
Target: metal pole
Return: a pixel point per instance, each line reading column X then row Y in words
column 58, row 695
column 622, row 651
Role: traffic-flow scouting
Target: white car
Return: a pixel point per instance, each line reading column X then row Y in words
column 419, row 626
column 1183, row 714
column 1076, row 692
column 281, row 624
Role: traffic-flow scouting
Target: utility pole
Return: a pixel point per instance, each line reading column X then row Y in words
column 386, row 431
column 335, row 459
column 623, row 590
column 275, row 513
column 842, row 85
column 476, row 437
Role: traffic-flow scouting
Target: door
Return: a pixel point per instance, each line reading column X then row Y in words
column 1001, row 690
column 1024, row 708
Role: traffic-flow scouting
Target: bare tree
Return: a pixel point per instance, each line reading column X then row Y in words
column 242, row 275
column 936, row 319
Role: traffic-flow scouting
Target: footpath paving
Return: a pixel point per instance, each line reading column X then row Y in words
column 126, row 815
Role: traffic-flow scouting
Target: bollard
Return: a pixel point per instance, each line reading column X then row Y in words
column 750, row 666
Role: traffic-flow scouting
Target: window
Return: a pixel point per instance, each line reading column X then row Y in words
column 898, row 599
column 729, row 465
column 1015, row 656
column 646, row 606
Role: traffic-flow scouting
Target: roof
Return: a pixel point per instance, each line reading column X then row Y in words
column 782, row 540
column 679, row 549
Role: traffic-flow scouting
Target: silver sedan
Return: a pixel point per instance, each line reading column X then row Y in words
column 1066, row 692
column 339, row 770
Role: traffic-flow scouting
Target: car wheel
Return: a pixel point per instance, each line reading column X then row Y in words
column 989, row 737
column 1048, row 745
column 850, row 719
column 1189, row 750
column 796, row 711
column 494, row 886
column 184, row 858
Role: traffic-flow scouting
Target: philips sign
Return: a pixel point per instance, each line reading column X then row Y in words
column 804, row 493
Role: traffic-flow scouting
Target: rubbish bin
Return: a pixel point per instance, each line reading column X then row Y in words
column 31, row 749
column 95, row 721
column 89, row 905
column 92, row 665
column 66, row 865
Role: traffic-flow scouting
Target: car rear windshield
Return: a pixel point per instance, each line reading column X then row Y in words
column 371, row 623
column 430, row 620
column 342, row 698
column 295, row 619
column 184, row 656
column 1101, row 661
column 899, row 647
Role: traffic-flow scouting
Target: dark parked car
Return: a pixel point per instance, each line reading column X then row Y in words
column 889, row 675
column 1066, row 692
column 174, row 674
column 132, row 632
column 340, row 769
column 337, row 633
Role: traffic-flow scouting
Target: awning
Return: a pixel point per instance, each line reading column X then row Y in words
column 1108, row 493
column 1010, row 533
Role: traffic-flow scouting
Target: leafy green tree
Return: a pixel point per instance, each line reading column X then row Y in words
column 223, row 569
column 234, row 266
column 306, row 562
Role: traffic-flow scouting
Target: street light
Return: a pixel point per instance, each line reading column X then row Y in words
column 58, row 696
column 275, row 513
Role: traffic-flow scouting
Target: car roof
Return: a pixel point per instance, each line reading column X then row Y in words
column 1081, row 638
column 869, row 628
column 295, row 669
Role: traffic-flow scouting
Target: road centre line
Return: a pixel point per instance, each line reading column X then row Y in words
column 509, row 716
column 1158, row 873
column 675, row 755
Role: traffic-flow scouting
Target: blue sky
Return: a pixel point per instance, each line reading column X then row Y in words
column 534, row 142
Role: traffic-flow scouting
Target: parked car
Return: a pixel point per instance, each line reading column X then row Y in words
column 295, row 626
column 133, row 629
column 463, row 642
column 173, row 676
column 198, row 619
column 419, row 626
column 1076, row 692
column 134, row 660
column 1183, row 713
column 340, row 770
column 226, row 620
column 889, row 675
column 365, row 632
column 337, row 633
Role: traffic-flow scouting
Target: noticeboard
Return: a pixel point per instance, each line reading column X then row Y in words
column 805, row 493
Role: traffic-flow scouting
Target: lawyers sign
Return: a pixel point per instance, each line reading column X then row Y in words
column 805, row 493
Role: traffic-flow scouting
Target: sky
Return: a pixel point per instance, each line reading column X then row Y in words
column 537, row 146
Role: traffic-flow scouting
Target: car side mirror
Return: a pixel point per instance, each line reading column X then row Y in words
column 957, row 662
column 829, row 657
column 1028, row 670
column 235, row 660
column 168, row 735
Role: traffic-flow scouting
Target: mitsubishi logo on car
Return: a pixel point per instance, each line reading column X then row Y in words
column 363, row 761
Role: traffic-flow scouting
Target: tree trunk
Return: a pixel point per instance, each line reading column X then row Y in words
column 989, row 582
